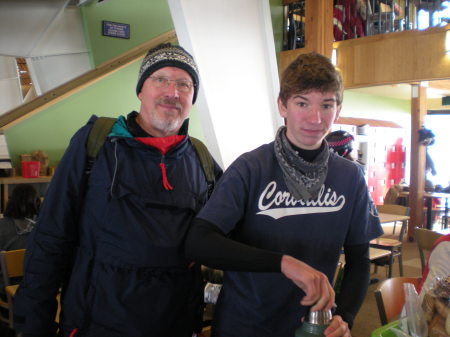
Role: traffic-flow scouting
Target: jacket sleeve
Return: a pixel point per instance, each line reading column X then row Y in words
column 52, row 243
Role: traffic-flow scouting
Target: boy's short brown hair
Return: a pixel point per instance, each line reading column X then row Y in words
column 311, row 72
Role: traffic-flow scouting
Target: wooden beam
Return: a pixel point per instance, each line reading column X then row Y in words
column 417, row 175
column 400, row 57
column 65, row 90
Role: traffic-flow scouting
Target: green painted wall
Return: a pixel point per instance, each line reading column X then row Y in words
column 51, row 129
column 147, row 19
column 376, row 107
column 276, row 12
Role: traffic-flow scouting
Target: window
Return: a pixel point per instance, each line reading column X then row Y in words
column 439, row 151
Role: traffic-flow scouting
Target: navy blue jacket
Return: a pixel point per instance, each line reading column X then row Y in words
column 114, row 244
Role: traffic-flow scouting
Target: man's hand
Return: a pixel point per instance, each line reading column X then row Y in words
column 319, row 292
column 337, row 328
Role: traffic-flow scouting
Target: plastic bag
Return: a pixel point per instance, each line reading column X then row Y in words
column 416, row 324
column 211, row 292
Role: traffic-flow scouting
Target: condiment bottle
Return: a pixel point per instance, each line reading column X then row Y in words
column 315, row 325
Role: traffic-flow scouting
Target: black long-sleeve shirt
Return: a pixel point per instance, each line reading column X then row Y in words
column 208, row 245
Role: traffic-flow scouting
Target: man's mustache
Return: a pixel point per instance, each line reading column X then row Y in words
column 170, row 101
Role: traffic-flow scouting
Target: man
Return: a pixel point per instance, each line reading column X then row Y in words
column 113, row 240
column 279, row 217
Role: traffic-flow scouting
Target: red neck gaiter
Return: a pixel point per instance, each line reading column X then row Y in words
column 163, row 144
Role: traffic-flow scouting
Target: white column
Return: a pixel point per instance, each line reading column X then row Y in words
column 232, row 43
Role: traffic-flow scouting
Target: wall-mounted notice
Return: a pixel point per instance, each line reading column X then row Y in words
column 116, row 29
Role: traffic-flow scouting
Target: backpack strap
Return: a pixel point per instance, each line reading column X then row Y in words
column 206, row 162
column 101, row 128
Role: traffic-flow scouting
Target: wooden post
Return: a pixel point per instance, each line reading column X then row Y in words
column 417, row 179
column 318, row 31
column 319, row 26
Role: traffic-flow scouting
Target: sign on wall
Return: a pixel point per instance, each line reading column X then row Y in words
column 116, row 29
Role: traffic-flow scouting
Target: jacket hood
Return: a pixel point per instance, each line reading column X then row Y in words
column 120, row 128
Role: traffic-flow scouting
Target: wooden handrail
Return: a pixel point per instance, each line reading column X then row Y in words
column 26, row 110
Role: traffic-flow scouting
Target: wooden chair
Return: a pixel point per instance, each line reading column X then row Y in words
column 390, row 297
column 425, row 239
column 337, row 273
column 11, row 262
column 393, row 245
column 392, row 195
column 394, row 209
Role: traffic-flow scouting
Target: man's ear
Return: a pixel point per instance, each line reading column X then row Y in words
column 281, row 108
column 139, row 95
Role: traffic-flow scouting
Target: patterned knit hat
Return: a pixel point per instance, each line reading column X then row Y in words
column 340, row 142
column 166, row 55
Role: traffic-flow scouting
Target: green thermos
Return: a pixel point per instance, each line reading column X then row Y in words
column 315, row 325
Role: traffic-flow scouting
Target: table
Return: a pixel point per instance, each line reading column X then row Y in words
column 386, row 217
column 429, row 204
column 374, row 254
column 6, row 181
column 430, row 208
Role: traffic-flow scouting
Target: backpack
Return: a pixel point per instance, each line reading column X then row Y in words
column 102, row 127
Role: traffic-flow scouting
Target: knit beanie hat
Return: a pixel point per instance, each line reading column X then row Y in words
column 166, row 55
column 340, row 142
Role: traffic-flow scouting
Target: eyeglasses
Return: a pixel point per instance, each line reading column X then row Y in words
column 163, row 82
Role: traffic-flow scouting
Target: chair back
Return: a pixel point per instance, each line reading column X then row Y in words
column 390, row 297
column 11, row 262
column 337, row 273
column 425, row 239
column 392, row 194
column 393, row 209
column 396, row 209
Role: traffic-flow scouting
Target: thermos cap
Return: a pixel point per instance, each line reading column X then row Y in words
column 320, row 317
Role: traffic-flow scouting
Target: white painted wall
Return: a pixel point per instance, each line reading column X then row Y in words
column 232, row 43
column 10, row 91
